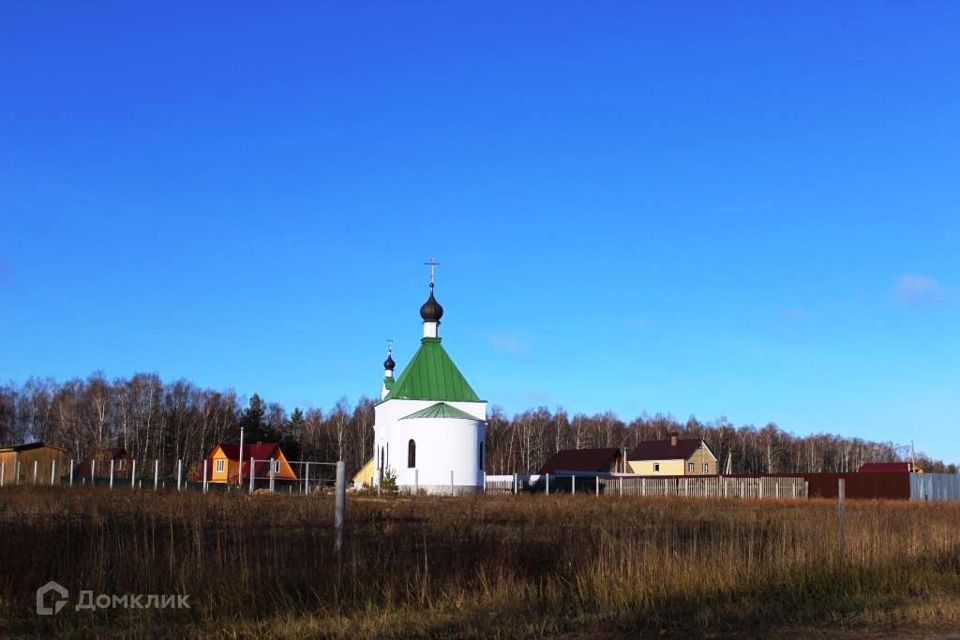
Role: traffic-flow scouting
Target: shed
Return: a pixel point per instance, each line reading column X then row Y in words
column 17, row 462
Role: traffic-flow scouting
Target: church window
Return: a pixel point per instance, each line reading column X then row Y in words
column 411, row 454
column 481, row 456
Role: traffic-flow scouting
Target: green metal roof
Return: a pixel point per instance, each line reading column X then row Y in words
column 431, row 375
column 440, row 410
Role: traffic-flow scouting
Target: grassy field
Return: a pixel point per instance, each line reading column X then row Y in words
column 486, row 566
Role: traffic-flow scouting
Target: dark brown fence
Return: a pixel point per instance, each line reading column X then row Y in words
column 859, row 486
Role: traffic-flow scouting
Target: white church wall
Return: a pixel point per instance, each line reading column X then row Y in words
column 443, row 445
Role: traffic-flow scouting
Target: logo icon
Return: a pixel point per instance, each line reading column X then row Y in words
column 58, row 604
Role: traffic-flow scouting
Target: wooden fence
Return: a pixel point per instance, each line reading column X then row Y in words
column 629, row 485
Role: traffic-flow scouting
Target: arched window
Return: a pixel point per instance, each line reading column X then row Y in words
column 381, row 458
column 481, row 456
column 411, row 454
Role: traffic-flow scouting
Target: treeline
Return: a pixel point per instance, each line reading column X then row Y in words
column 178, row 420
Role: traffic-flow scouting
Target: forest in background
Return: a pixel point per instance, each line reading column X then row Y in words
column 175, row 420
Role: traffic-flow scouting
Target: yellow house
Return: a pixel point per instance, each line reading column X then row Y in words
column 224, row 464
column 673, row 457
column 364, row 478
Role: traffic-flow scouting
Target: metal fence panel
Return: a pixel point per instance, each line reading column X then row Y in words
column 934, row 486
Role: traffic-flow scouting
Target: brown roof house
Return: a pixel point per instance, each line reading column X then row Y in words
column 97, row 465
column 585, row 461
column 889, row 467
column 674, row 457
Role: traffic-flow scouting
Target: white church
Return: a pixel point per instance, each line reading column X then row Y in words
column 430, row 424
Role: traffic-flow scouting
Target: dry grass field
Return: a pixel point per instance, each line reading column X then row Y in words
column 487, row 566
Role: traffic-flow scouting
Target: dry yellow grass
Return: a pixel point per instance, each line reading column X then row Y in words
column 487, row 566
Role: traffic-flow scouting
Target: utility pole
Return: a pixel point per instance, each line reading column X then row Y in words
column 240, row 462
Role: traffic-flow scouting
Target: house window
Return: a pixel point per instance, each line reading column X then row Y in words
column 481, row 457
column 706, row 467
column 656, row 467
column 411, row 454
column 220, row 465
column 690, row 467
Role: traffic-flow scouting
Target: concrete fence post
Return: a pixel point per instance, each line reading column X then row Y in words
column 416, row 481
column 340, row 507
column 179, row 474
column 111, row 473
column 156, row 474
column 71, row 472
column 514, row 483
column 573, row 485
column 452, row 490
column 93, row 472
column 643, row 487
column 3, row 471
column 251, row 471
column 548, row 483
column 204, row 476
column 273, row 474
column 306, row 481
column 133, row 474
column 597, row 479
column 36, row 464
column 53, row 471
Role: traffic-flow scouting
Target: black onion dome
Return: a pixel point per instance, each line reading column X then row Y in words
column 389, row 364
column 431, row 311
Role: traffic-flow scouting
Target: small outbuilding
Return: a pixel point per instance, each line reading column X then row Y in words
column 17, row 463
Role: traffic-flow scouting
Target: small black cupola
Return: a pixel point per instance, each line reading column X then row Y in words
column 389, row 364
column 431, row 311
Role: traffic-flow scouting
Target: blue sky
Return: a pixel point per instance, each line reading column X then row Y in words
column 738, row 209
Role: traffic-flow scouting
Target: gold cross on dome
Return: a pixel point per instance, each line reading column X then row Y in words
column 433, row 265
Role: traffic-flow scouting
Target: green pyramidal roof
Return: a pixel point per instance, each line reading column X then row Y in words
column 431, row 375
column 440, row 410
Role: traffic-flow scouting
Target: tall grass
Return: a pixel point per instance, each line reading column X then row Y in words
column 484, row 566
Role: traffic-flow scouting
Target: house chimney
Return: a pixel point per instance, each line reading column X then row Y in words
column 673, row 439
